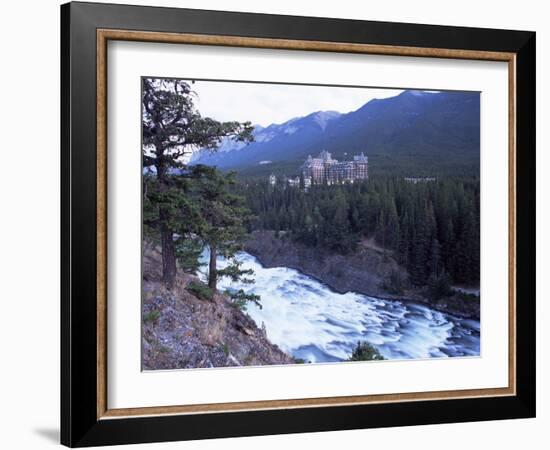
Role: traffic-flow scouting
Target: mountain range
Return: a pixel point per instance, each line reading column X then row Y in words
column 416, row 133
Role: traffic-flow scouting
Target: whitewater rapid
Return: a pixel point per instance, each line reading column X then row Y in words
column 308, row 320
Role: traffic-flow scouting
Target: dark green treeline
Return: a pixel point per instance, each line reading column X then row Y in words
column 431, row 228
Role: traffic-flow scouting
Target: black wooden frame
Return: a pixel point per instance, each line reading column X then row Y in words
column 79, row 423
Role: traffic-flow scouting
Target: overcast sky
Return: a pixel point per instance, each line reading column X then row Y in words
column 265, row 104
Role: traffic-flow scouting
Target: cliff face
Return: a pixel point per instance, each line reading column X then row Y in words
column 364, row 271
column 182, row 331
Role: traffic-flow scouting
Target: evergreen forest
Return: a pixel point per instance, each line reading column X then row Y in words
column 430, row 228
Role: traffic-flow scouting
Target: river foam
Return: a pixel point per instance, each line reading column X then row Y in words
column 308, row 320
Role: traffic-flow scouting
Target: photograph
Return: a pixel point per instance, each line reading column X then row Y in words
column 301, row 224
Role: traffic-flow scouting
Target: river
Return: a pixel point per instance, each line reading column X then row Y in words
column 308, row 320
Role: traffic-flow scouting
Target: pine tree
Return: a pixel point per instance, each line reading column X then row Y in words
column 224, row 221
column 380, row 232
column 365, row 352
column 188, row 252
column 434, row 257
column 404, row 240
column 448, row 244
column 468, row 246
column 439, row 286
column 172, row 128
column 392, row 226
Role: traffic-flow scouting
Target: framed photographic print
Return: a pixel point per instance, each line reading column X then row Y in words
column 276, row 224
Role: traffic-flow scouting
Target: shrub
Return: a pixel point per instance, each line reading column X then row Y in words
column 365, row 352
column 439, row 286
column 151, row 316
column 465, row 296
column 395, row 284
column 200, row 290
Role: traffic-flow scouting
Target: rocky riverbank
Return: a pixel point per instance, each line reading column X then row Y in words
column 183, row 331
column 367, row 271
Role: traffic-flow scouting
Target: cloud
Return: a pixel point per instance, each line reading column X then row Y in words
column 264, row 104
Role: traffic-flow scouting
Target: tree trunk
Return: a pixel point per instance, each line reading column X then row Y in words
column 166, row 234
column 168, row 253
column 212, row 271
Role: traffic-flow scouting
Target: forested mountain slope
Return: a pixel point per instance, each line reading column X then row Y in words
column 416, row 133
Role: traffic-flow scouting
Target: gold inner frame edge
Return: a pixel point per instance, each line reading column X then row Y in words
column 103, row 36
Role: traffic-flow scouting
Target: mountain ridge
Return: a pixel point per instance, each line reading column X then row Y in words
column 435, row 127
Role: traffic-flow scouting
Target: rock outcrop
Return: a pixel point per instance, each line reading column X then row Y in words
column 182, row 331
column 363, row 271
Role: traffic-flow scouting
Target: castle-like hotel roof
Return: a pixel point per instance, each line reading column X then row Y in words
column 324, row 168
